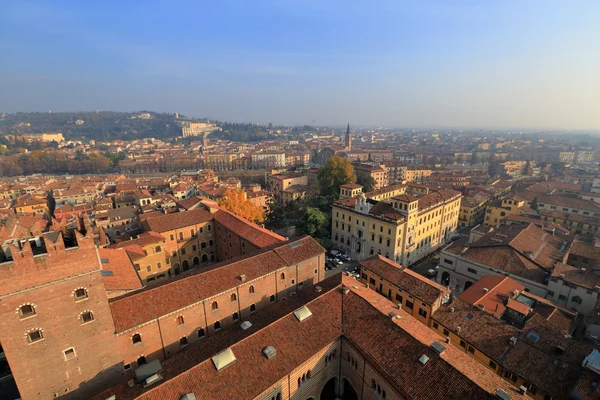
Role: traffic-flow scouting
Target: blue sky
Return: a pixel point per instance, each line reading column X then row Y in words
column 514, row 64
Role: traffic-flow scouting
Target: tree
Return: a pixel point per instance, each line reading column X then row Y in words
column 367, row 182
column 534, row 204
column 336, row 172
column 235, row 201
column 316, row 223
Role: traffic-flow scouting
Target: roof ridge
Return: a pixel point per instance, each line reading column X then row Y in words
column 491, row 290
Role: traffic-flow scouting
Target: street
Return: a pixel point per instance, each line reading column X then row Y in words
column 340, row 268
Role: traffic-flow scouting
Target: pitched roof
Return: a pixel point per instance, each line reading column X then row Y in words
column 123, row 275
column 164, row 222
column 424, row 289
column 252, row 233
column 155, row 301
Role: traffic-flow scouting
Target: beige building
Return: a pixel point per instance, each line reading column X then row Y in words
column 278, row 184
column 403, row 228
column 219, row 161
column 197, row 128
column 414, row 174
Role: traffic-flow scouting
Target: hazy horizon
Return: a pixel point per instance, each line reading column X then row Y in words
column 463, row 65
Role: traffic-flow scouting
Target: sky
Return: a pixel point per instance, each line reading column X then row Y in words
column 531, row 64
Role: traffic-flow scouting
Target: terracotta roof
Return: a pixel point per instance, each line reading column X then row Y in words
column 587, row 387
column 154, row 301
column 247, row 230
column 518, row 307
column 409, row 281
column 498, row 289
column 394, row 347
column 587, row 279
column 123, row 275
column 143, row 239
column 483, row 331
column 164, row 223
column 351, row 186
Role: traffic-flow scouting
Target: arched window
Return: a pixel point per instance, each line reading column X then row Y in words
column 577, row 299
column 308, row 374
column 214, row 306
column 192, row 232
column 183, row 341
column 137, row 338
column 233, row 297
column 180, row 235
column 252, row 308
column 81, row 294
column 180, row 320
column 282, row 276
column 251, row 289
column 157, row 249
column 26, row 311
column 201, row 333
column 217, row 325
column 86, row 317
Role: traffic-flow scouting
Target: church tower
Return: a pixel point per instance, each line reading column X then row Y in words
column 348, row 138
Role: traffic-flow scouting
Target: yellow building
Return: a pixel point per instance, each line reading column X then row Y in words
column 149, row 256
column 350, row 190
column 32, row 204
column 403, row 228
column 496, row 211
column 279, row 183
column 472, row 209
column 414, row 174
column 416, row 294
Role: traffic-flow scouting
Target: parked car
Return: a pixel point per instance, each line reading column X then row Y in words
column 345, row 257
column 338, row 261
column 335, row 252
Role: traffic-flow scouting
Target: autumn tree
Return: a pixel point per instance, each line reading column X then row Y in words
column 235, row 201
column 336, row 172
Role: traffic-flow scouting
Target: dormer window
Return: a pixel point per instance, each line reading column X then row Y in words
column 27, row 310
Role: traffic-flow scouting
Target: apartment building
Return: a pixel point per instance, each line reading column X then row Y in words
column 279, row 183
column 417, row 175
column 473, row 209
column 498, row 210
column 267, row 160
column 149, row 255
column 522, row 252
column 220, row 161
column 403, row 228
column 378, row 173
column 415, row 294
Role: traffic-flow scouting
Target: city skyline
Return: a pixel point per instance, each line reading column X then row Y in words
column 495, row 66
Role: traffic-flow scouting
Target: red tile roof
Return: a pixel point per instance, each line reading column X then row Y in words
column 124, row 276
column 155, row 301
column 258, row 236
column 164, row 222
column 418, row 286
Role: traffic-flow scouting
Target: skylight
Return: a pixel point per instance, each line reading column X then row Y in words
column 302, row 313
column 106, row 273
column 533, row 336
column 224, row 359
column 295, row 244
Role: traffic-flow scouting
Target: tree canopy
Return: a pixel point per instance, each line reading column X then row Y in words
column 235, row 201
column 336, row 172
column 367, row 182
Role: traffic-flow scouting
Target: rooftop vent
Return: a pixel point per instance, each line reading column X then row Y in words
column 152, row 379
column 269, row 352
column 423, row 359
column 302, row 313
column 246, row 325
column 242, row 277
column 392, row 315
column 438, row 347
column 104, row 260
column 513, row 340
column 451, row 309
column 188, row 396
column 224, row 359
column 485, row 290
column 318, row 289
column 502, row 395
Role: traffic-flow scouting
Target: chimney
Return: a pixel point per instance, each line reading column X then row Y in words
column 458, row 328
column 451, row 309
column 523, row 390
column 485, row 290
column 242, row 277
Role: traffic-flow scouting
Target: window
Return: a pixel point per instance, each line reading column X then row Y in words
column 137, row 338
column 26, row 311
column 448, row 261
column 157, row 249
column 471, row 270
column 217, row 325
column 201, row 333
column 182, row 251
column 252, row 308
column 251, row 289
column 233, row 297
column 235, row 316
column 172, row 237
column 446, row 332
column 409, row 304
column 158, row 265
column 148, row 268
column 562, row 297
column 435, row 325
column 422, row 313
column 214, row 306
column 126, row 367
column 530, row 388
column 282, row 276
column 180, row 235
column 210, row 243
column 463, row 344
column 471, row 350
column 81, row 294
column 203, row 245
column 35, row 336
column 209, row 227
column 492, row 364
column 180, row 320
column 194, row 248
column 183, row 341
column 272, row 298
column 87, row 317
column 141, row 361
column 576, row 299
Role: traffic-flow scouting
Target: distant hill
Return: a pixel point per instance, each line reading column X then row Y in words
column 103, row 125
